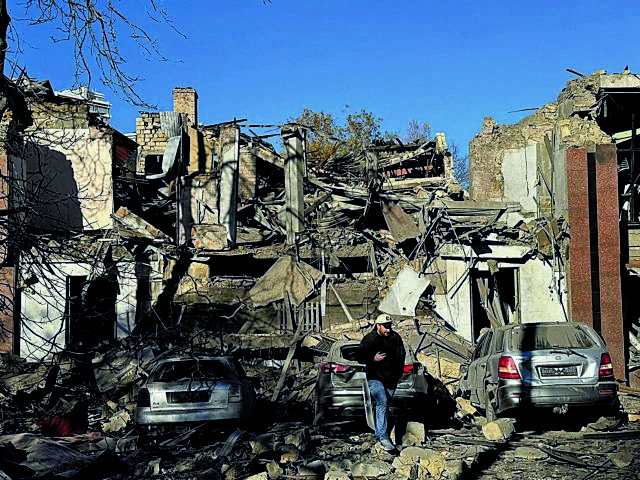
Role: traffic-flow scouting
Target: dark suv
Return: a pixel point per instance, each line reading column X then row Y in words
column 554, row 365
column 342, row 389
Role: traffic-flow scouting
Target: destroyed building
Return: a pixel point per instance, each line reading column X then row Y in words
column 134, row 230
column 572, row 163
column 187, row 220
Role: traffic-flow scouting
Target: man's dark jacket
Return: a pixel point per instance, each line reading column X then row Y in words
column 389, row 370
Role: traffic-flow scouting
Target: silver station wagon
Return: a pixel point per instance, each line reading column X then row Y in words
column 554, row 365
column 186, row 390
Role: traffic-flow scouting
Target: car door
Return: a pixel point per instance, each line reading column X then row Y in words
column 483, row 368
column 477, row 367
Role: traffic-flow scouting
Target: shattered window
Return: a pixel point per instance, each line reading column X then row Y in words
column 191, row 369
column 498, row 343
column 348, row 352
column 537, row 337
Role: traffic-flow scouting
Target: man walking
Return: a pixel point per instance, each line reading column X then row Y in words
column 382, row 352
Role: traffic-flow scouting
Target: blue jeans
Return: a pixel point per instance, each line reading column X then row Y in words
column 382, row 397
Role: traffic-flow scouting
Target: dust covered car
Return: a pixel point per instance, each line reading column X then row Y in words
column 554, row 365
column 182, row 391
column 342, row 390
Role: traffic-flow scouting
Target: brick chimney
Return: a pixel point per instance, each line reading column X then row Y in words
column 185, row 101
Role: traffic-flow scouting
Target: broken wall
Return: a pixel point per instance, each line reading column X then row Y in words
column 45, row 308
column 576, row 177
column 504, row 159
column 535, row 287
column 151, row 138
column 69, row 178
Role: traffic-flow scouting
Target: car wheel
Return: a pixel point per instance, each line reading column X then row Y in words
column 318, row 415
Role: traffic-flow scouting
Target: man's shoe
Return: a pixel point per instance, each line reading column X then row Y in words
column 387, row 445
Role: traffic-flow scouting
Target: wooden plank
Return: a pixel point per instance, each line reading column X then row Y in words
column 634, row 252
column 292, row 350
column 344, row 307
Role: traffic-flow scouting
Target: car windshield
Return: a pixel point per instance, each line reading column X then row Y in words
column 538, row 337
column 191, row 369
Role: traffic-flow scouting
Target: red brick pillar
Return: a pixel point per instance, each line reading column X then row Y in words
column 7, row 291
column 7, row 274
column 579, row 266
column 609, row 255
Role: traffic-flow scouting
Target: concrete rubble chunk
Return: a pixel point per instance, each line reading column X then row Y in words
column 316, row 469
column 404, row 466
column 428, row 460
column 261, row 444
column 259, row 476
column 463, row 405
column 454, row 467
column 370, row 468
column 415, row 434
column 337, row 475
column 274, row 470
column 117, row 422
column 529, row 453
column 604, row 424
column 299, row 439
column 622, row 459
column 289, row 454
column 153, row 467
column 498, row 430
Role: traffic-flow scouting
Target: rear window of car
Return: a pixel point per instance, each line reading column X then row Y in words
column 539, row 337
column 191, row 369
column 349, row 352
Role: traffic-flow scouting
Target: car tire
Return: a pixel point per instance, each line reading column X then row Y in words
column 318, row 415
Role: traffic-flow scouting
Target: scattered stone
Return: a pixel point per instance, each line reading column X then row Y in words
column 337, row 475
column 262, row 443
column 289, row 454
column 428, row 460
column 370, row 468
column 463, row 405
column 315, row 469
column 498, row 430
column 299, row 439
column 530, row 453
column 259, row 476
column 454, row 468
column 622, row 459
column 117, row 422
column 274, row 470
column 152, row 468
column 415, row 434
column 604, row 424
column 232, row 473
column 403, row 466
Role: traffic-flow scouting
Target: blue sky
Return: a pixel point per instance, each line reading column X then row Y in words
column 446, row 63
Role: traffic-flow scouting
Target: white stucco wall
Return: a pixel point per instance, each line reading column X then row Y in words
column 560, row 183
column 42, row 330
column 76, row 162
column 539, row 301
column 454, row 306
column 519, row 170
column 126, row 302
